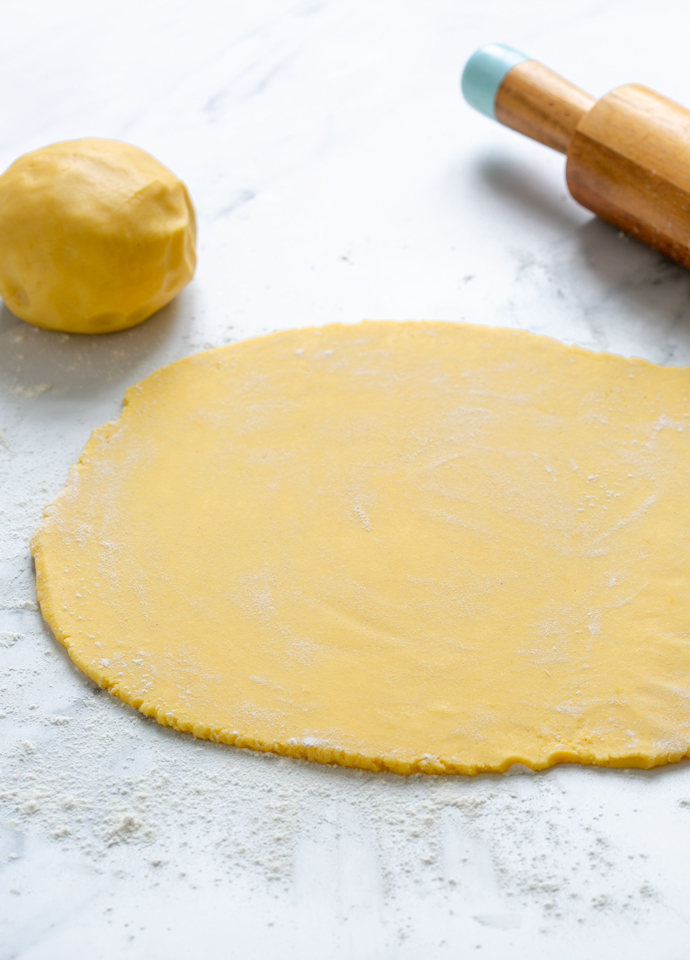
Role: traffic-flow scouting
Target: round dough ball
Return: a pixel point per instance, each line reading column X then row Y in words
column 95, row 236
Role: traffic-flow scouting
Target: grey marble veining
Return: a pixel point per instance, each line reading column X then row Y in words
column 338, row 176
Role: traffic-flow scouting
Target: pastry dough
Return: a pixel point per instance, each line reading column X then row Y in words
column 405, row 546
column 95, row 236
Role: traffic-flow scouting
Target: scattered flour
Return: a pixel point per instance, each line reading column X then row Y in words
column 107, row 778
column 102, row 786
column 31, row 393
column 8, row 639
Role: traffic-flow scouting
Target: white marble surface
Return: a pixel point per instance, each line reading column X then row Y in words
column 337, row 176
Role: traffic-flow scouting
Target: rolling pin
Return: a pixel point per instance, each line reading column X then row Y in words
column 628, row 153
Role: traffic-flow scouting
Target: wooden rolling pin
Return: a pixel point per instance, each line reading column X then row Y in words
column 628, row 153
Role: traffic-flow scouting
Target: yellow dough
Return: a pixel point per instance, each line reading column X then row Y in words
column 405, row 546
column 95, row 236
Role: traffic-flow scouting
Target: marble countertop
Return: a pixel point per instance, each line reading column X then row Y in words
column 337, row 176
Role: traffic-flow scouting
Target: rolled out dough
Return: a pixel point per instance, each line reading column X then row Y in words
column 405, row 546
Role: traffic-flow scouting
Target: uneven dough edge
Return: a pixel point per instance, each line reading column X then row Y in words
column 421, row 765
column 424, row 764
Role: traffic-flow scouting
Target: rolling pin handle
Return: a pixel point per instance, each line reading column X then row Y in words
column 523, row 94
column 484, row 73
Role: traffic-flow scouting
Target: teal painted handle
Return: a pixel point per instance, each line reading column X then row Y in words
column 484, row 73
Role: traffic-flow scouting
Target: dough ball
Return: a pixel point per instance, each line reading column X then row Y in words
column 95, row 236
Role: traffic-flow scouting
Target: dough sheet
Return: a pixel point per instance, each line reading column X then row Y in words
column 419, row 547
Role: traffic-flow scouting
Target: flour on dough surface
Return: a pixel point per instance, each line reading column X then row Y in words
column 421, row 547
